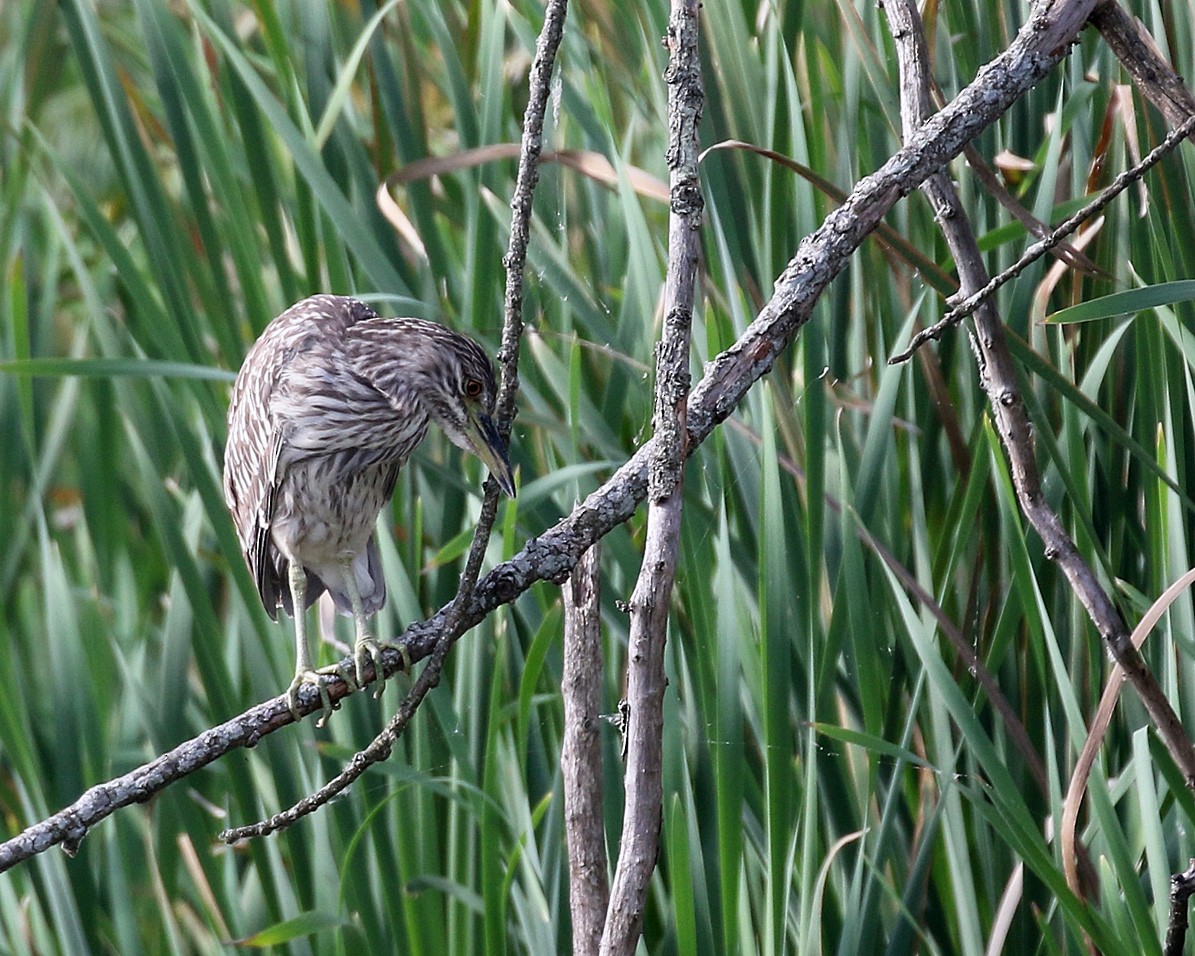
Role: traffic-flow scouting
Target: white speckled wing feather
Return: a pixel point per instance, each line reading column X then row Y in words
column 257, row 437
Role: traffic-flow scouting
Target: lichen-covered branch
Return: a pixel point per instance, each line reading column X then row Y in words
column 1044, row 40
column 968, row 302
column 998, row 377
column 651, row 598
column 1161, row 85
column 581, row 755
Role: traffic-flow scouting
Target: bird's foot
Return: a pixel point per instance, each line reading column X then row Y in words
column 316, row 679
column 401, row 647
column 342, row 670
column 367, row 649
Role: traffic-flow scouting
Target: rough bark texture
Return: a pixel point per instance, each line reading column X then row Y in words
column 998, row 377
column 1158, row 82
column 1040, row 44
column 1182, row 885
column 965, row 303
column 520, row 209
column 646, row 680
column 581, row 755
column 1139, row 55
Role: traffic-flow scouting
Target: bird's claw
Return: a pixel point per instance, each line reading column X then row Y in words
column 407, row 664
column 316, row 679
column 369, row 649
column 401, row 647
column 344, row 672
column 366, row 649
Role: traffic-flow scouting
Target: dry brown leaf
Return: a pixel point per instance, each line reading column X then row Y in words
column 588, row 163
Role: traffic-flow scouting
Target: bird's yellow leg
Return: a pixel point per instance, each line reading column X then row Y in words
column 364, row 646
column 304, row 673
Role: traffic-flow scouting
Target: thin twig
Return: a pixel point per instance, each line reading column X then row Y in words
column 1039, row 45
column 1182, row 885
column 994, row 185
column 975, row 299
column 1072, row 849
column 998, row 377
column 508, row 357
column 520, row 209
column 650, row 600
column 376, row 752
column 581, row 755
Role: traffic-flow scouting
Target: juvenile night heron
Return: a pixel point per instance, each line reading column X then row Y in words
column 328, row 406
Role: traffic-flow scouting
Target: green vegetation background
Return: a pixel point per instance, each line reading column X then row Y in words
column 173, row 175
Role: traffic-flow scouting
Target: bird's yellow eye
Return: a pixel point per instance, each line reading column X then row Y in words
column 472, row 388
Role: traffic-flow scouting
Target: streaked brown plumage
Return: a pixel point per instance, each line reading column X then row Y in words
column 329, row 404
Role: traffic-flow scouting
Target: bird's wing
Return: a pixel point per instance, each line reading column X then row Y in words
column 255, row 444
column 329, row 406
column 265, row 422
column 263, row 556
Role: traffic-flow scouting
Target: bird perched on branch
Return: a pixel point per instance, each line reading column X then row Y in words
column 329, row 404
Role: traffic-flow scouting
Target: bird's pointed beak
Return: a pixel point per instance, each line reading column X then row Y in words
column 491, row 449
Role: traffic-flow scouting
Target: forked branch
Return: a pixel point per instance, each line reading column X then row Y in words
column 998, row 377
column 1042, row 42
column 504, row 411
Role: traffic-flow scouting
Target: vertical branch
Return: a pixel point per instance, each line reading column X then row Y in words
column 520, row 210
column 581, row 755
column 512, row 329
column 539, row 80
column 1182, row 886
column 646, row 681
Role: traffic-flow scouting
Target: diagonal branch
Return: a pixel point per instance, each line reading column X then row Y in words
column 1040, row 44
column 1161, row 85
column 998, row 378
column 504, row 409
column 969, row 301
column 1140, row 56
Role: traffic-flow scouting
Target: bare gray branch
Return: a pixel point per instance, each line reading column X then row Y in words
column 998, row 378
column 646, row 681
column 1040, row 44
column 581, row 755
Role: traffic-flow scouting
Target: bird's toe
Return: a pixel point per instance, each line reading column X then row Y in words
column 345, row 671
column 315, row 679
column 367, row 649
column 405, row 654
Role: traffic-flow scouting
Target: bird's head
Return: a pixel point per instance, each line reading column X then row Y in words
column 461, row 401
